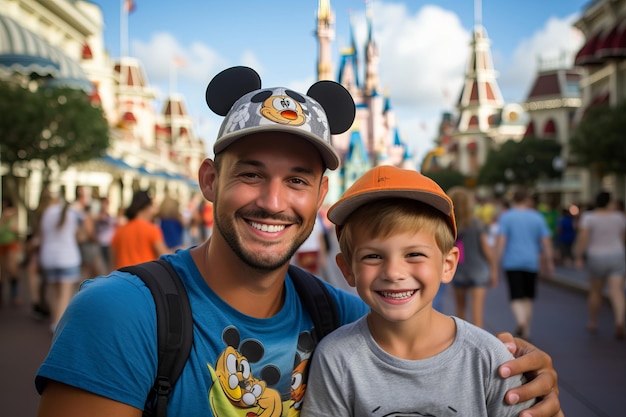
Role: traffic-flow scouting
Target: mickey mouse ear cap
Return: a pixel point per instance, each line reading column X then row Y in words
column 236, row 93
column 391, row 182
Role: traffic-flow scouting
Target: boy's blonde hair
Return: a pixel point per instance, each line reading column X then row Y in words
column 386, row 217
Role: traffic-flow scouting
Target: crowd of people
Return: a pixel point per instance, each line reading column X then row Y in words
column 70, row 241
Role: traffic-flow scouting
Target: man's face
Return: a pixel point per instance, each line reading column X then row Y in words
column 268, row 190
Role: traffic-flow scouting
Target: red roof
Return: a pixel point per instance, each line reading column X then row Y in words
column 129, row 117
column 530, row 130
column 87, row 54
column 550, row 128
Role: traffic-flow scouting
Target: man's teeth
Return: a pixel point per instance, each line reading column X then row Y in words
column 268, row 227
column 398, row 295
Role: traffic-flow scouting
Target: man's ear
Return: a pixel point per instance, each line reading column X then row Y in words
column 345, row 269
column 323, row 192
column 207, row 176
column 450, row 262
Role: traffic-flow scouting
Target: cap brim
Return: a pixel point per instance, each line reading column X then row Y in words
column 328, row 153
column 342, row 210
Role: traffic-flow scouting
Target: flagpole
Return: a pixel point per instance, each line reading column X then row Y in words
column 123, row 29
column 172, row 77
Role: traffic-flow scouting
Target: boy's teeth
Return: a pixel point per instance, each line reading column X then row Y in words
column 398, row 295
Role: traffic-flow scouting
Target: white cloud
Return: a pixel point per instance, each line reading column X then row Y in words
column 556, row 42
column 423, row 62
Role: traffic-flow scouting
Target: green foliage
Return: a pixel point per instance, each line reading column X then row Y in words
column 50, row 124
column 446, row 178
column 600, row 139
column 521, row 163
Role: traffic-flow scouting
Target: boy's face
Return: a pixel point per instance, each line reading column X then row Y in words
column 398, row 276
column 265, row 196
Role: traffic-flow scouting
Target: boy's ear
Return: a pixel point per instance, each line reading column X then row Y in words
column 450, row 261
column 344, row 266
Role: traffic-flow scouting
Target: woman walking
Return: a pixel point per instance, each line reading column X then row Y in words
column 478, row 268
column 59, row 255
column 600, row 242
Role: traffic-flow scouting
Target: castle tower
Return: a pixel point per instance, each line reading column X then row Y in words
column 371, row 56
column 480, row 104
column 325, row 34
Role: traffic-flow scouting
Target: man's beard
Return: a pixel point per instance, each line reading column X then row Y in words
column 252, row 259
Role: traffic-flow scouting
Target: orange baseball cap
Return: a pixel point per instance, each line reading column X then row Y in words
column 387, row 181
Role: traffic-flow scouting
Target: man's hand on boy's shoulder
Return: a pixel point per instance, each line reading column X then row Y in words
column 542, row 383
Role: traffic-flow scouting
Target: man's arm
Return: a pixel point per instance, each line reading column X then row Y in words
column 542, row 383
column 60, row 400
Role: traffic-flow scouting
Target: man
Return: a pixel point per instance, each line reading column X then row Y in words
column 523, row 238
column 252, row 336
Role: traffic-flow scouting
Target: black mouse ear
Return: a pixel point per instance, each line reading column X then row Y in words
column 229, row 86
column 337, row 103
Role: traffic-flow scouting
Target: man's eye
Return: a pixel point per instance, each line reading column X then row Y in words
column 250, row 175
column 298, row 181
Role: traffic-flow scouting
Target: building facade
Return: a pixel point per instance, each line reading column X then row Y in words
column 60, row 42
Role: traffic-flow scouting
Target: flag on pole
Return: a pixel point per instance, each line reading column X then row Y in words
column 129, row 6
column 179, row 62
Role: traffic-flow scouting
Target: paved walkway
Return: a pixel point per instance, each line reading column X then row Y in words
column 24, row 343
column 571, row 277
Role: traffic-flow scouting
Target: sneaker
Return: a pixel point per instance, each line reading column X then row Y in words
column 39, row 312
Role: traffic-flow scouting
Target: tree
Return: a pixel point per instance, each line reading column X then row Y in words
column 446, row 178
column 58, row 126
column 522, row 163
column 599, row 140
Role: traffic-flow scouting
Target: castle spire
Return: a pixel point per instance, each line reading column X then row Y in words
column 325, row 34
column 371, row 54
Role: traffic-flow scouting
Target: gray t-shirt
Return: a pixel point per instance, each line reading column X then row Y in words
column 352, row 376
column 606, row 232
column 473, row 271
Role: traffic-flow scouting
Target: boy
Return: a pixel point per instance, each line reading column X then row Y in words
column 396, row 230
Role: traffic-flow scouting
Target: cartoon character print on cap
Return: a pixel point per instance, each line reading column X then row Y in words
column 278, row 105
column 283, row 109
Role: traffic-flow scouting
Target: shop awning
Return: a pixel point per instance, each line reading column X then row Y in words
column 605, row 44
column 116, row 162
column 25, row 52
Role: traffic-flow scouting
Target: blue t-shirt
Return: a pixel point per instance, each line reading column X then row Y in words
column 524, row 230
column 106, row 344
column 173, row 231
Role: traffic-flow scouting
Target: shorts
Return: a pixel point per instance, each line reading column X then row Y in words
column 89, row 251
column 522, row 284
column 606, row 266
column 69, row 274
column 474, row 279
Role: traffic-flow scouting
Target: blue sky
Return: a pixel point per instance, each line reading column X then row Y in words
column 424, row 47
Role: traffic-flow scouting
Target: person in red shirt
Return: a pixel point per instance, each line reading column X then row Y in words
column 139, row 240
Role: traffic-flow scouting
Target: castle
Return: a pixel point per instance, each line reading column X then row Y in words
column 374, row 138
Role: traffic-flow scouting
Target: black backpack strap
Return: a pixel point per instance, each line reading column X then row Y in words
column 174, row 329
column 317, row 300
